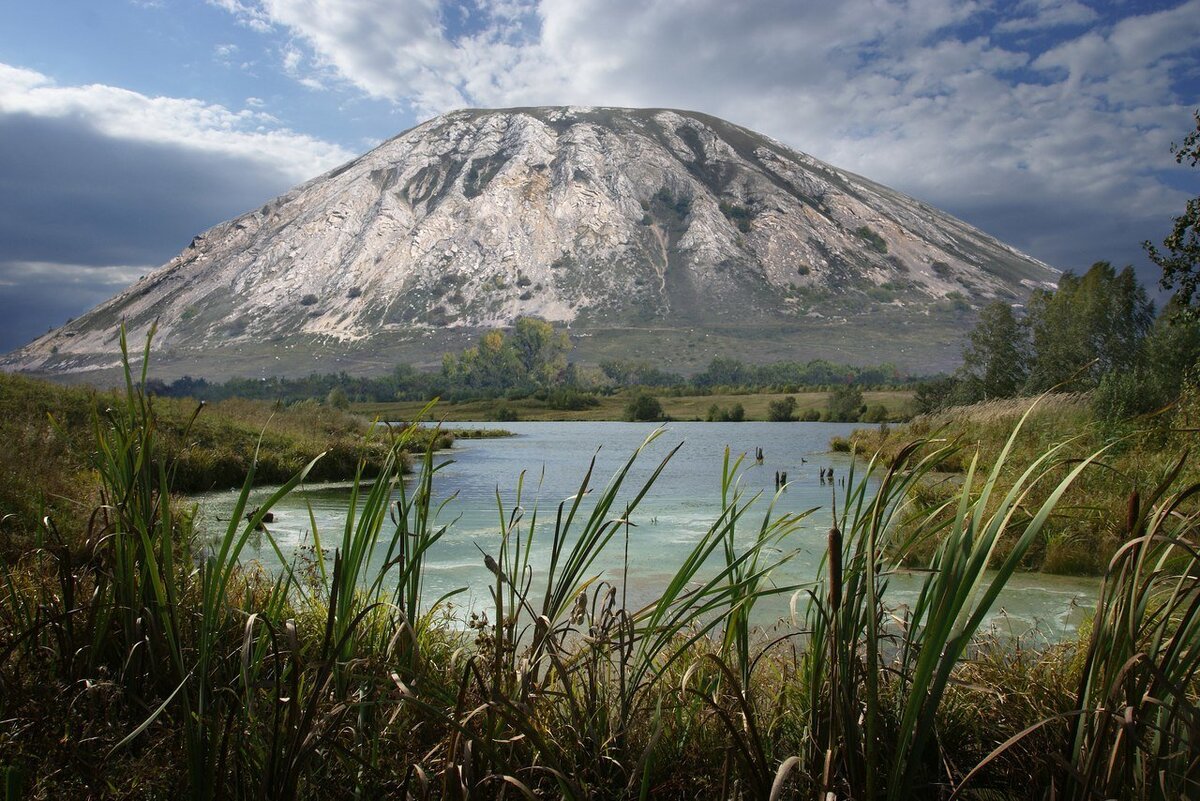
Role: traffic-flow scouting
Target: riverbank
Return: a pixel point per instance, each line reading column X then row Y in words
column 49, row 431
column 1089, row 525
column 896, row 405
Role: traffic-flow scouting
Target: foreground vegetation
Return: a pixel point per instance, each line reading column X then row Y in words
column 50, row 434
column 1087, row 530
column 138, row 662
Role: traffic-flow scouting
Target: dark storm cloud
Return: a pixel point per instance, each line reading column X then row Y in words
column 35, row 297
column 70, row 194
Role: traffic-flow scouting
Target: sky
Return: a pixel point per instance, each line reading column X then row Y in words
column 129, row 126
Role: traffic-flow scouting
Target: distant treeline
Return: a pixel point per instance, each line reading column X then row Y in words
column 1097, row 333
column 531, row 358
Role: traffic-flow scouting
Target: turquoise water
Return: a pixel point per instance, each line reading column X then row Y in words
column 669, row 521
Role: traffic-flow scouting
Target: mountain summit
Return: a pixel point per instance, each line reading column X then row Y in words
column 653, row 233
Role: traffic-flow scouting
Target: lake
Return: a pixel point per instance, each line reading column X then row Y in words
column 678, row 510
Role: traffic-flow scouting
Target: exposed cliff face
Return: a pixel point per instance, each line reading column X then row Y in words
column 593, row 216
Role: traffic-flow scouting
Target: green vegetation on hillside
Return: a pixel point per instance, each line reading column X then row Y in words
column 530, row 360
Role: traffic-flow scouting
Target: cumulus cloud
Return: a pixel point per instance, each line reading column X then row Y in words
column 1035, row 15
column 183, row 123
column 1041, row 140
column 96, row 178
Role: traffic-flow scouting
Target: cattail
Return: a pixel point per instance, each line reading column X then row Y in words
column 835, row 569
column 1132, row 511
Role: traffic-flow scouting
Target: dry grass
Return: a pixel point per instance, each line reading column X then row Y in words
column 612, row 407
column 1085, row 532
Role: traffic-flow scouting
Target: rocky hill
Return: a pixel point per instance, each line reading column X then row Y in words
column 653, row 233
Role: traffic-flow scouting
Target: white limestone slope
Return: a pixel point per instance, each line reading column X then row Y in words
column 581, row 215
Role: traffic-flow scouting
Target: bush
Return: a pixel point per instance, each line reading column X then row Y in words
column 877, row 413
column 505, row 414
column 308, row 300
column 873, row 240
column 643, row 406
column 570, row 399
column 845, row 404
column 780, row 411
column 337, row 399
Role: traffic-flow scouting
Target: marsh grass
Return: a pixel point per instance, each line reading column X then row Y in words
column 1086, row 527
column 50, row 441
column 176, row 670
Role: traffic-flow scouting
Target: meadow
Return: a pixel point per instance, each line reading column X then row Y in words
column 612, row 407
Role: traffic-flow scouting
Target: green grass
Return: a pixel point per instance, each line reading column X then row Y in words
column 1088, row 529
column 137, row 661
column 50, row 442
column 612, row 407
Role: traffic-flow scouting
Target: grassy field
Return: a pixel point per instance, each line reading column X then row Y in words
column 686, row 407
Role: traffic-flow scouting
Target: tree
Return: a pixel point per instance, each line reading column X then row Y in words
column 1169, row 355
column 643, row 406
column 780, row 411
column 540, row 349
column 1180, row 257
column 935, row 394
column 845, row 403
column 337, row 399
column 723, row 371
column 996, row 357
column 1091, row 325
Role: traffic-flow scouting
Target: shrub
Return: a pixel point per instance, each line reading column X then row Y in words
column 570, row 399
column 780, row 411
column 739, row 215
column 505, row 413
column 877, row 413
column 873, row 240
column 337, row 399
column 845, row 404
column 308, row 300
column 643, row 406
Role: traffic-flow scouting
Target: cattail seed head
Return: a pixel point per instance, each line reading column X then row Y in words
column 1132, row 512
column 835, row 569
